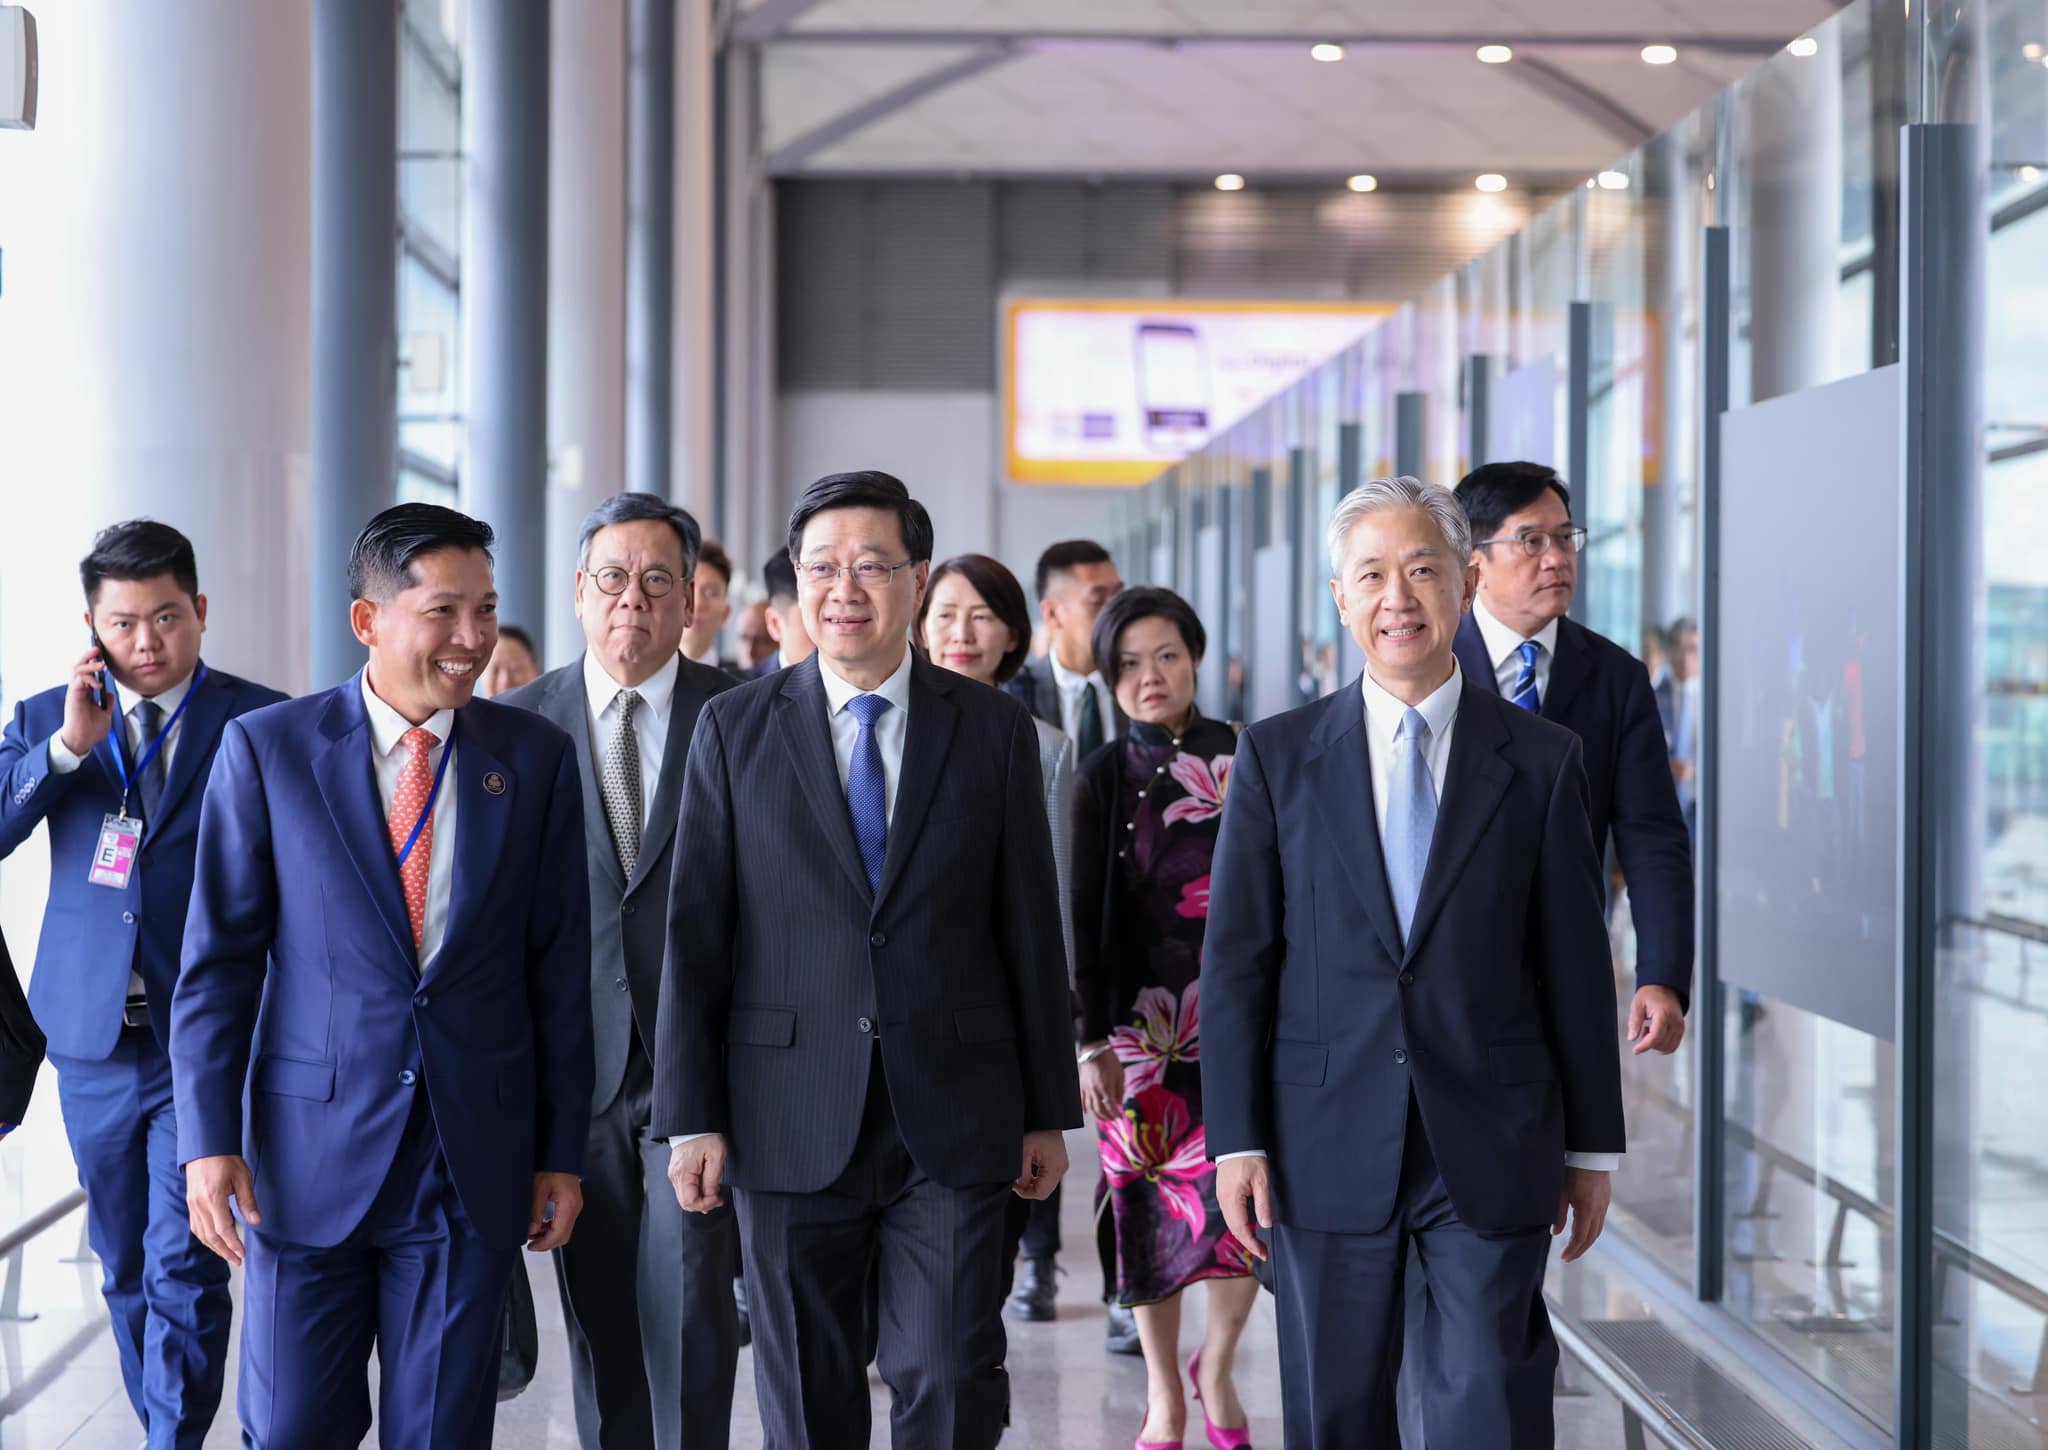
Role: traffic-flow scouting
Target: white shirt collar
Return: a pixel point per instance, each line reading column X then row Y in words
column 709, row 657
column 895, row 689
column 1383, row 713
column 655, row 691
column 1502, row 641
column 1066, row 679
column 167, row 701
column 388, row 727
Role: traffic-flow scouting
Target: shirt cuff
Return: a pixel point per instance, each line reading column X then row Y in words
column 677, row 1140
column 1247, row 1153
column 62, row 761
column 1593, row 1162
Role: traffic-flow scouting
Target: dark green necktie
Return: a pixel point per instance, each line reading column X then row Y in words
column 1088, row 724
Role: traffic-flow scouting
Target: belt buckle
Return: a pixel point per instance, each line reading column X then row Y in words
column 135, row 1012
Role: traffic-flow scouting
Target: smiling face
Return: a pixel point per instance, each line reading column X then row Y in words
column 429, row 642
column 962, row 633
column 1400, row 593
column 1523, row 593
column 635, row 632
column 862, row 629
column 149, row 630
column 1155, row 682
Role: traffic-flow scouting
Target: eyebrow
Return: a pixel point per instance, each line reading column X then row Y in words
column 165, row 607
column 458, row 596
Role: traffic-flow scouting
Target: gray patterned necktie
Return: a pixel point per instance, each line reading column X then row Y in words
column 1411, row 817
column 620, row 784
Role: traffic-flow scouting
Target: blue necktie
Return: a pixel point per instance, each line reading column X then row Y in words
column 1411, row 816
column 1525, row 685
column 150, row 789
column 866, row 795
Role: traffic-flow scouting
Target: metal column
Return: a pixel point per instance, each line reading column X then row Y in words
column 650, row 242
column 1479, row 368
column 1411, row 438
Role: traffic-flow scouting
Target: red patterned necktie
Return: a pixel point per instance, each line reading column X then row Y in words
column 414, row 786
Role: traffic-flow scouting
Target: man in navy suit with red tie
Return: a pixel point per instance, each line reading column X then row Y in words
column 389, row 948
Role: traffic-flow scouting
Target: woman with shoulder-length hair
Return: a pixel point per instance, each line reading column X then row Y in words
column 1145, row 822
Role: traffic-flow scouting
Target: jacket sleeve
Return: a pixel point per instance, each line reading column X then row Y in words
column 21, row 1045
column 558, row 978
column 1028, row 922
column 1243, row 951
column 1089, row 873
column 1059, row 816
column 28, row 787
column 1651, row 844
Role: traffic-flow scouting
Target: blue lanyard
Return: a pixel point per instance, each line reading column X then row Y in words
column 120, row 745
column 434, row 794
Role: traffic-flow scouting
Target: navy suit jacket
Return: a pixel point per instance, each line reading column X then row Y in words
column 783, row 967
column 93, row 935
column 299, row 954
column 1601, row 693
column 1497, row 1013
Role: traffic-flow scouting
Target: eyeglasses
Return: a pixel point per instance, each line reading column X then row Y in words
column 868, row 573
column 1536, row 542
column 654, row 583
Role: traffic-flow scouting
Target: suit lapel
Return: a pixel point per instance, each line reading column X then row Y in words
column 1341, row 772
column 480, row 820
column 1474, row 782
column 568, row 706
column 683, row 708
column 926, row 741
column 1470, row 647
column 348, row 783
column 198, row 733
column 807, row 735
column 1569, row 667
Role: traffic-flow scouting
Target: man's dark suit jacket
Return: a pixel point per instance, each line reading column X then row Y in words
column 1498, row 1013
column 21, row 1044
column 1601, row 693
column 628, row 919
column 783, row 967
column 1035, row 686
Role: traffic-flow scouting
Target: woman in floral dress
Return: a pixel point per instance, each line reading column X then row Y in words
column 1145, row 820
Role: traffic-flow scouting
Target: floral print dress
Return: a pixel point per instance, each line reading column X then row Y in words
column 1156, row 1201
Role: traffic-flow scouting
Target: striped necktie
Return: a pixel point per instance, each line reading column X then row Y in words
column 1525, row 684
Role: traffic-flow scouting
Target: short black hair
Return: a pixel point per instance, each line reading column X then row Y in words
column 1126, row 609
column 866, row 489
column 1064, row 557
column 778, row 577
column 716, row 557
column 1001, row 592
column 519, row 637
column 633, row 508
column 139, row 549
column 1493, row 493
column 381, row 562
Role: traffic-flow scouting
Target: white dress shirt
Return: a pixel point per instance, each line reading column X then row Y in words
column 63, row 762
column 1383, row 716
column 1501, row 644
column 890, row 729
column 1070, row 687
column 389, row 755
column 650, row 724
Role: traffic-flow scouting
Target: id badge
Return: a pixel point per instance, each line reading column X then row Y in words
column 114, row 861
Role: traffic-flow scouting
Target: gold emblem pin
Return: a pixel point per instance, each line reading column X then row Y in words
column 494, row 782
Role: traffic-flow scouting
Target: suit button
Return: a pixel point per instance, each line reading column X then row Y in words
column 619, row 982
column 1407, row 979
column 628, row 909
column 420, row 1001
column 407, row 1078
column 866, row 1025
column 878, row 940
column 128, row 918
column 1400, row 1054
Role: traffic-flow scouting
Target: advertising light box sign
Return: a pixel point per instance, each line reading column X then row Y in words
column 1113, row 392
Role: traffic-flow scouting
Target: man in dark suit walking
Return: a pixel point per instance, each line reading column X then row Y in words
column 646, row 1288
column 116, row 760
column 387, row 959
column 1465, row 1058
column 865, row 1021
column 1064, row 689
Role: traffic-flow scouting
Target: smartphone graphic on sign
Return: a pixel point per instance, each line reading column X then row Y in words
column 1173, row 387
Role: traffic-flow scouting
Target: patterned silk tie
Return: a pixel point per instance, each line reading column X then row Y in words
column 1087, row 724
column 1525, row 684
column 149, row 716
column 1411, row 816
column 415, row 784
column 621, row 783
column 866, row 792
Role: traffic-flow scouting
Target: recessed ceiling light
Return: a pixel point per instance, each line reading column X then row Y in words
column 1612, row 180
column 2030, row 173
column 1364, row 181
column 1491, row 181
column 1230, row 181
column 2034, row 50
column 1496, row 54
column 1326, row 52
column 1659, row 54
column 1805, row 47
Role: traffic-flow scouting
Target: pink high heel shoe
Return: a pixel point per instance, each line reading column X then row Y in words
column 1239, row 1438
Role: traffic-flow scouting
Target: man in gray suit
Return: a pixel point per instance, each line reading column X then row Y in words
column 646, row 1288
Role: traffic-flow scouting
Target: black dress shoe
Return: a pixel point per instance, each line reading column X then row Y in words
column 1037, row 1287
column 1121, row 1337
column 739, row 1302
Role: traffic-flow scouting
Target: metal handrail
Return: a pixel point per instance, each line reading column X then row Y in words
column 16, row 1239
column 1642, row 1408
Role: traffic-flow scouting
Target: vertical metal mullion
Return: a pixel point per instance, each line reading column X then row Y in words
column 1478, row 408
column 1578, row 412
column 1410, row 433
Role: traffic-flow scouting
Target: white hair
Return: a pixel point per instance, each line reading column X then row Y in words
column 1382, row 494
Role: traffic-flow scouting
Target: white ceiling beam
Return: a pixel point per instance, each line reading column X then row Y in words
column 1582, row 100
column 1090, row 39
column 769, row 19
column 793, row 155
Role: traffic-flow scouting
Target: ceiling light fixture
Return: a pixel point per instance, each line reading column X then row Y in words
column 1230, row 181
column 2030, row 174
column 1326, row 52
column 2034, row 50
column 1364, row 181
column 1659, row 54
column 1805, row 47
column 1496, row 54
column 1612, row 180
column 1491, row 181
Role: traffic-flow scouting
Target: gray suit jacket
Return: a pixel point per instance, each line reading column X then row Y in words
column 627, row 918
column 1056, row 764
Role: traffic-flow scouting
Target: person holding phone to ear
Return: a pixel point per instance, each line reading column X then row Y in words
column 122, row 809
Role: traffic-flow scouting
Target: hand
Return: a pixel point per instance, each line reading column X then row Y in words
column 565, row 1192
column 1244, row 1188
column 1587, row 1192
column 1681, row 771
column 209, row 1184
column 1102, row 1087
column 694, row 1171
column 1045, row 1164
column 1655, row 1020
column 86, row 724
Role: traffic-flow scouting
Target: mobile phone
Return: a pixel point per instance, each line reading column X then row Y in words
column 99, row 691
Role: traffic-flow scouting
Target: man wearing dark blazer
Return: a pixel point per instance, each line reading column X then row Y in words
column 646, row 1288
column 21, row 1047
column 1518, row 643
column 387, row 961
column 1465, row 1058
column 123, row 807
column 865, row 1024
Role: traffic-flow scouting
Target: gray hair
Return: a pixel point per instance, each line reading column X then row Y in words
column 632, row 508
column 1382, row 494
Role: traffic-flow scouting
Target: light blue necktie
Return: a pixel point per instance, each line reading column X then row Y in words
column 1411, row 816
column 866, row 795
column 1525, row 685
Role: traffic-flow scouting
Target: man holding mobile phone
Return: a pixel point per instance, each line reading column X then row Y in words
column 122, row 807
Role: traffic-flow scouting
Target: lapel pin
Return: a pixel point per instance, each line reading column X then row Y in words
column 494, row 783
